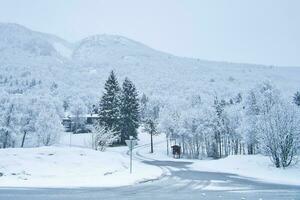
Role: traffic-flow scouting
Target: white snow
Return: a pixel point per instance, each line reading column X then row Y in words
column 63, row 50
column 215, row 185
column 63, row 166
column 80, row 166
column 77, row 140
column 251, row 166
column 173, row 79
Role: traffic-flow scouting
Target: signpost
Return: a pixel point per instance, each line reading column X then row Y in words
column 131, row 143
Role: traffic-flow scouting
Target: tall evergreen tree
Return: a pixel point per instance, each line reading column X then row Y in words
column 129, row 111
column 297, row 98
column 109, row 108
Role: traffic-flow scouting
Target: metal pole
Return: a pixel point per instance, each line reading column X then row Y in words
column 167, row 146
column 70, row 138
column 130, row 156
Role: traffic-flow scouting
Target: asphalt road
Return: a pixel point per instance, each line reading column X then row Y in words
column 180, row 183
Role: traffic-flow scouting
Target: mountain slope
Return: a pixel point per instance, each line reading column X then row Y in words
column 80, row 69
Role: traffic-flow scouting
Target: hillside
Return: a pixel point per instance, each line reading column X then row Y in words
column 81, row 68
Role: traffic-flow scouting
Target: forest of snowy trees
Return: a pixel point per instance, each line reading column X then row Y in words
column 30, row 115
column 258, row 121
column 261, row 121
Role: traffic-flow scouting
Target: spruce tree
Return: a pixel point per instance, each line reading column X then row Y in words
column 109, row 108
column 129, row 111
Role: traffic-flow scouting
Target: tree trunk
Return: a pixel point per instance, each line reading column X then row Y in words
column 220, row 147
column 183, row 148
column 167, row 146
column 23, row 139
column 5, row 140
column 151, row 151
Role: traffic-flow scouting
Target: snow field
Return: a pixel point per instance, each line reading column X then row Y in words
column 64, row 166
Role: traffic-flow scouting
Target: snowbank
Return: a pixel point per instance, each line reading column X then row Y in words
column 252, row 166
column 70, row 167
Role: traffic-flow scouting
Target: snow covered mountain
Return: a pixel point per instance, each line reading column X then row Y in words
column 17, row 41
column 81, row 68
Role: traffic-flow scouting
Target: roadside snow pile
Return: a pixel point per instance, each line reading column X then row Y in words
column 252, row 166
column 70, row 167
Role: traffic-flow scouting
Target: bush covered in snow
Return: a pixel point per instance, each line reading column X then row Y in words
column 102, row 138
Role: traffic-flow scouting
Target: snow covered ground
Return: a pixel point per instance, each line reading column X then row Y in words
column 80, row 166
column 64, row 166
column 251, row 166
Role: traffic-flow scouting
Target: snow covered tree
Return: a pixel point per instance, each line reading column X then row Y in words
column 144, row 107
column 28, row 119
column 78, row 110
column 151, row 128
column 109, row 108
column 296, row 98
column 280, row 134
column 129, row 110
column 169, row 124
column 251, row 115
column 251, row 134
column 196, row 100
column 268, row 95
column 66, row 105
column 153, row 111
column 259, row 102
column 233, row 142
column 102, row 138
column 48, row 125
column 238, row 98
column 219, row 127
column 9, row 122
column 190, row 134
column 6, row 128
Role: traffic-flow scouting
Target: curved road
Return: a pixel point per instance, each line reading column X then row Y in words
column 179, row 183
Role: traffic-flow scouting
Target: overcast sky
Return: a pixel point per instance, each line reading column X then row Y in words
column 253, row 31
